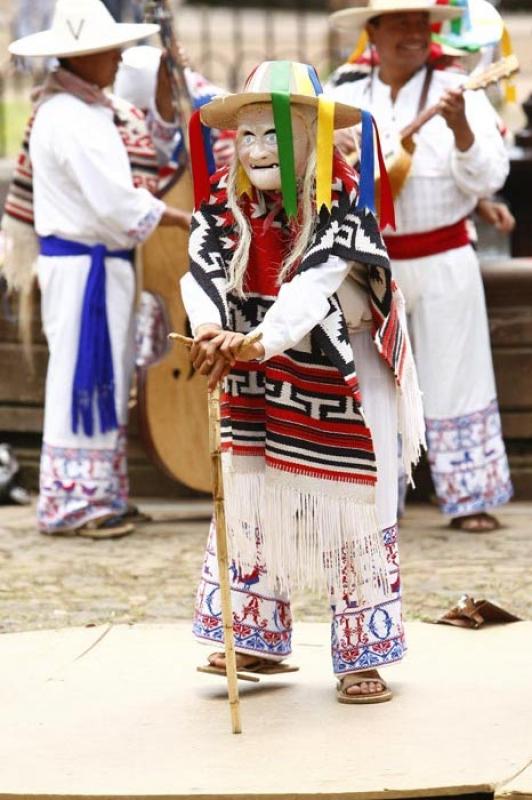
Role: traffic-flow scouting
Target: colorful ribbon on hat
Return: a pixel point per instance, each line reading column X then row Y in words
column 510, row 93
column 201, row 154
column 305, row 82
column 459, row 24
column 366, row 196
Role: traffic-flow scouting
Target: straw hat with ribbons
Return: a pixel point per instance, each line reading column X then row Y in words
column 353, row 19
column 284, row 85
column 80, row 27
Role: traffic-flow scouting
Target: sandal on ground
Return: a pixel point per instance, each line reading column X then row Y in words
column 111, row 526
column 260, row 666
column 134, row 515
column 476, row 523
column 355, row 679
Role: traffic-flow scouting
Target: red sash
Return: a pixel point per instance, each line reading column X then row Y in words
column 430, row 243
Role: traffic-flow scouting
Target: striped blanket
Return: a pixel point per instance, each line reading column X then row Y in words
column 299, row 462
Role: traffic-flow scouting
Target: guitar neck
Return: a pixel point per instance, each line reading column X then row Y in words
column 493, row 74
column 425, row 116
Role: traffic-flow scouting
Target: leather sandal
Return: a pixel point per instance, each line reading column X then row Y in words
column 476, row 523
column 110, row 526
column 134, row 515
column 260, row 666
column 355, row 679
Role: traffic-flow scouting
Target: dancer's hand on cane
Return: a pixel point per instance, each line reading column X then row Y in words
column 204, row 347
column 215, row 351
column 233, row 350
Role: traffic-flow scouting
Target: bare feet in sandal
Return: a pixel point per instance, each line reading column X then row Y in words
column 372, row 686
column 476, row 523
column 242, row 661
column 248, row 664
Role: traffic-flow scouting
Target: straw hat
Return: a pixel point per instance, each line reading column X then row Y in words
column 352, row 19
column 80, row 27
column 299, row 81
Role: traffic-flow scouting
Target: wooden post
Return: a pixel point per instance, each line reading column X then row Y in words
column 223, row 560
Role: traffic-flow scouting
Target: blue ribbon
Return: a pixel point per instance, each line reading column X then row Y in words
column 94, row 373
column 313, row 75
column 366, row 197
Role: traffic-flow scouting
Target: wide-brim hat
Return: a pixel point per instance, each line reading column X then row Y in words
column 299, row 81
column 352, row 19
column 80, row 27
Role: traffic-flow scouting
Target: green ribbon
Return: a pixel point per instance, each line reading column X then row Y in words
column 456, row 24
column 280, row 90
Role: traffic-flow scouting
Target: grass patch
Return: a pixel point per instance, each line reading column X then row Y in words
column 14, row 114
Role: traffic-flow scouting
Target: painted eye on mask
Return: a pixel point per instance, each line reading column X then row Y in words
column 271, row 139
column 248, row 139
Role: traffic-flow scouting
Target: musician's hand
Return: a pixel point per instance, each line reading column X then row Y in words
column 346, row 141
column 496, row 214
column 452, row 109
column 163, row 90
column 176, row 216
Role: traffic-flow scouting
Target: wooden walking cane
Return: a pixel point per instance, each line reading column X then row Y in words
column 221, row 537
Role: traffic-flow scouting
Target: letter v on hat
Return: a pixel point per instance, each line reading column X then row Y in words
column 80, row 27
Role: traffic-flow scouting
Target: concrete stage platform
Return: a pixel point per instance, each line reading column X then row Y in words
column 519, row 788
column 120, row 712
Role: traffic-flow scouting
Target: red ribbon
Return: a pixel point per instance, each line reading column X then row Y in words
column 200, row 169
column 387, row 210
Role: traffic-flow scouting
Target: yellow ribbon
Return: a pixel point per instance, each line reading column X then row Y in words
column 324, row 153
column 360, row 48
column 243, row 184
column 510, row 94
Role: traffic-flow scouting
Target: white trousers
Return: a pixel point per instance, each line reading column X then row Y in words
column 449, row 329
column 82, row 477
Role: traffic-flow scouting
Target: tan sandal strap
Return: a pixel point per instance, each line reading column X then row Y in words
column 258, row 661
column 355, row 679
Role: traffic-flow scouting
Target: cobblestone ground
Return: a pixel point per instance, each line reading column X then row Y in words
column 49, row 582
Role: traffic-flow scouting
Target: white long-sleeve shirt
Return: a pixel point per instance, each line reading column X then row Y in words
column 82, row 184
column 444, row 184
column 301, row 304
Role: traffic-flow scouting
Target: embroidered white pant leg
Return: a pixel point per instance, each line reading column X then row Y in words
column 262, row 621
column 449, row 327
column 373, row 636
column 81, row 477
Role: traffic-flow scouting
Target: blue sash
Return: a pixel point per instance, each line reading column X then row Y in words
column 94, row 374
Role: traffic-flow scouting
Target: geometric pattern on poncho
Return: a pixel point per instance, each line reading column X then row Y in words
column 300, row 410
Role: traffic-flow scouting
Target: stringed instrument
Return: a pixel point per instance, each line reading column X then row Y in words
column 173, row 414
column 399, row 158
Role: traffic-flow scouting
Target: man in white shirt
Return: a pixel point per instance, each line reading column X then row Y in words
column 460, row 157
column 89, row 216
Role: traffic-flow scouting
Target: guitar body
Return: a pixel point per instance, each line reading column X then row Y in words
column 399, row 164
column 172, row 398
